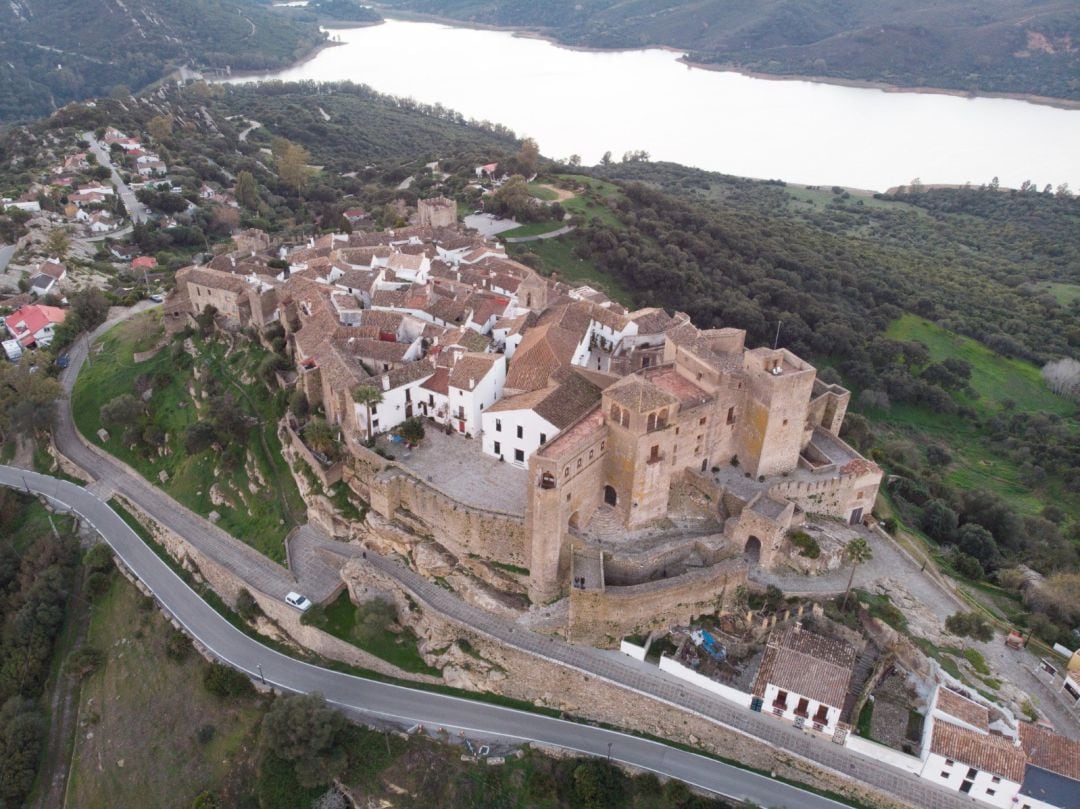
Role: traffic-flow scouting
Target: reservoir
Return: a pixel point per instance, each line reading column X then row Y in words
column 591, row 102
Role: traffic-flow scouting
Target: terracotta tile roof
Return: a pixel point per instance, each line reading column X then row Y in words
column 639, row 395
column 364, row 256
column 410, row 372
column 405, row 261
column 652, row 321
column 485, row 306
column 439, row 381
column 26, row 321
column 544, row 350
column 384, row 321
column 992, row 754
column 1051, row 751
column 472, row 367
column 974, row 714
column 807, row 664
column 213, row 279
column 376, row 350
column 572, row 398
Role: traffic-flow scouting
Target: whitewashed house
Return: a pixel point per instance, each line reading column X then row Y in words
column 804, row 678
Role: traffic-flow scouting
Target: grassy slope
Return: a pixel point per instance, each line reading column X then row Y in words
column 262, row 518
column 996, row 379
column 139, row 715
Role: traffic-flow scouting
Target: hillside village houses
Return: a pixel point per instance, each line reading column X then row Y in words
column 31, row 326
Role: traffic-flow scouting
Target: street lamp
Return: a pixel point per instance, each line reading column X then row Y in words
column 609, row 752
column 261, row 676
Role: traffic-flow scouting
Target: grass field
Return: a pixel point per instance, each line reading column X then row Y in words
column 542, row 192
column 397, row 648
column 1065, row 294
column 140, row 713
column 262, row 517
column 591, row 202
column 994, row 378
column 557, row 256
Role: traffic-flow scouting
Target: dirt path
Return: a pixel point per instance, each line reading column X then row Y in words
column 63, row 709
column 561, row 194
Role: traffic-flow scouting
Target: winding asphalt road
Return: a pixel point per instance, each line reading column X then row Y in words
column 391, row 702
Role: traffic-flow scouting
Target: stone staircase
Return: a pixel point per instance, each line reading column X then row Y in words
column 605, row 526
column 864, row 667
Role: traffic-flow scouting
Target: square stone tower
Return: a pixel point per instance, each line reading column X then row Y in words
column 437, row 212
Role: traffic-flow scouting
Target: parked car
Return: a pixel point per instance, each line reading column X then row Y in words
column 300, row 602
column 157, row 297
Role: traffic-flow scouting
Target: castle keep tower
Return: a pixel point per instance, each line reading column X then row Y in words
column 437, row 212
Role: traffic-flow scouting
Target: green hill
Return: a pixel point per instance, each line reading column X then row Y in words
column 1015, row 46
column 56, row 51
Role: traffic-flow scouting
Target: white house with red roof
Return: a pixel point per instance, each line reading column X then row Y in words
column 34, row 324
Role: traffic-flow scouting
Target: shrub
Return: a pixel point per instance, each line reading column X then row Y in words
column 969, row 624
column 83, row 662
column 246, row 606
column 97, row 584
column 177, row 645
column 98, row 559
column 225, row 681
column 205, row 734
column 373, row 619
column 807, row 545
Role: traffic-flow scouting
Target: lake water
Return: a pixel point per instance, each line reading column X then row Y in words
column 587, row 103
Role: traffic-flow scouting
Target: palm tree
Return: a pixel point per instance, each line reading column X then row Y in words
column 369, row 397
column 856, row 552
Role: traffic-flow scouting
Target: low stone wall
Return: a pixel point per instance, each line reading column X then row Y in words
column 677, row 669
column 625, row 568
column 601, row 616
column 463, row 530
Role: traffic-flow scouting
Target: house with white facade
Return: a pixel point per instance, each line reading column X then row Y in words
column 516, row 426
column 475, row 384
column 34, row 325
column 401, row 391
column 804, row 678
column 960, row 752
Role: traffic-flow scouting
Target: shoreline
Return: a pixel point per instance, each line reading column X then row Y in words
column 526, row 32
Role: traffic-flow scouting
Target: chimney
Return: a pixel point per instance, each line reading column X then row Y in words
column 472, row 383
column 385, row 382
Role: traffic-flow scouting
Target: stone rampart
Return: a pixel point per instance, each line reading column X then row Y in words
column 602, row 616
column 463, row 530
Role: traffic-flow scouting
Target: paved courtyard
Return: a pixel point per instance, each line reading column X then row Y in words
column 457, row 466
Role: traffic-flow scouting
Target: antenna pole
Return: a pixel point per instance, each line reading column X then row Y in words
column 776, row 341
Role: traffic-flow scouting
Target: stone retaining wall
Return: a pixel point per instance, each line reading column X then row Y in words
column 601, row 616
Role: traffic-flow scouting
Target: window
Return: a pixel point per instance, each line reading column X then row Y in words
column 519, row 455
column 701, row 420
column 498, row 425
column 965, row 787
column 944, row 774
column 498, row 448
column 602, row 445
column 650, row 423
column 995, row 780
column 579, row 463
column 566, row 472
column 543, row 439
column 654, row 453
column 590, row 454
column 785, row 422
column 520, row 431
column 731, row 415
column 949, row 762
column 972, row 772
column 990, row 792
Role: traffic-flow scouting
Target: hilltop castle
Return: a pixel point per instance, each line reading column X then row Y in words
column 639, row 464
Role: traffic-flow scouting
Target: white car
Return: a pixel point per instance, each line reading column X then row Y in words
column 157, row 297
column 300, row 602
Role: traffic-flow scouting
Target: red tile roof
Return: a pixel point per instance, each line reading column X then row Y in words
column 974, row 714
column 27, row 321
column 1051, row 751
column 993, row 754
